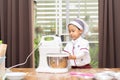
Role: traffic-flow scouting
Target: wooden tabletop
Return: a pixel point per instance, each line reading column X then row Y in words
column 33, row 75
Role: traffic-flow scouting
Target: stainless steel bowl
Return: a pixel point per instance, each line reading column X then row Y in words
column 57, row 60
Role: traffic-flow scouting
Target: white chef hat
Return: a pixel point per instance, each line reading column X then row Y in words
column 81, row 24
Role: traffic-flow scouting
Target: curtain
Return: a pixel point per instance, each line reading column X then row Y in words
column 16, row 31
column 109, row 34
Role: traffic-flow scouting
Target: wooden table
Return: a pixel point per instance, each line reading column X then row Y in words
column 33, row 75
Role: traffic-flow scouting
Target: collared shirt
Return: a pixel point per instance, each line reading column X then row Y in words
column 79, row 48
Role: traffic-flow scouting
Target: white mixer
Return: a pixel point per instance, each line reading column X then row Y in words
column 49, row 46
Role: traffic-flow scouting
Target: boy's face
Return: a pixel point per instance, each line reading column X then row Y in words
column 74, row 32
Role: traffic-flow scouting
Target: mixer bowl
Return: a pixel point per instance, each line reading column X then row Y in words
column 57, row 60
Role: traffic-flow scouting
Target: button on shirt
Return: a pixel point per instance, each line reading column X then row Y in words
column 79, row 48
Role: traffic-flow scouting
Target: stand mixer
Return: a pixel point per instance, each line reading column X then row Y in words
column 52, row 46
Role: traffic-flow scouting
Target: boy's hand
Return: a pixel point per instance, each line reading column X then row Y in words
column 72, row 57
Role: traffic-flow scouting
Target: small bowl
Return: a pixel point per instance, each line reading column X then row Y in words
column 15, row 75
column 117, row 76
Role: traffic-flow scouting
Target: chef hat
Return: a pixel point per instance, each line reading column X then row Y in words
column 81, row 24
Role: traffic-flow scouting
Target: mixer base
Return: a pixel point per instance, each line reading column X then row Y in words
column 52, row 70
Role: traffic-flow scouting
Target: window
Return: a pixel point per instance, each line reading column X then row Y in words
column 52, row 16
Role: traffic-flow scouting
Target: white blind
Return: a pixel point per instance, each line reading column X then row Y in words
column 52, row 15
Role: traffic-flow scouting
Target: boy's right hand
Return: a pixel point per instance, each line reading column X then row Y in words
column 71, row 57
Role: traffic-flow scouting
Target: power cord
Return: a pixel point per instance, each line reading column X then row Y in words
column 8, row 69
